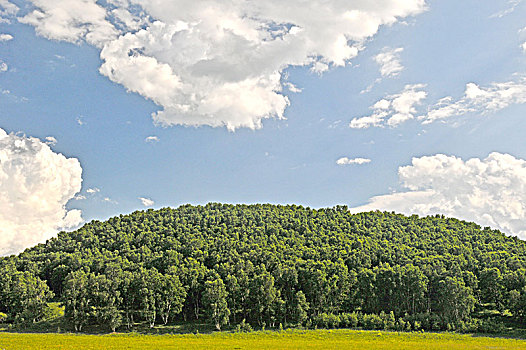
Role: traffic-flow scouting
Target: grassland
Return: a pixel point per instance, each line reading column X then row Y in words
column 315, row 339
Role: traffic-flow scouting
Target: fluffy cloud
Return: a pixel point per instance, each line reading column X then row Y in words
column 346, row 161
column 35, row 185
column 151, row 139
column 71, row 21
column 5, row 37
column 490, row 191
column 480, row 100
column 394, row 109
column 211, row 62
column 50, row 140
column 7, row 10
column 92, row 190
column 3, row 66
column 147, row 202
column 389, row 62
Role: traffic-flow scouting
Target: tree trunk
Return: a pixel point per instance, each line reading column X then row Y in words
column 196, row 308
column 166, row 315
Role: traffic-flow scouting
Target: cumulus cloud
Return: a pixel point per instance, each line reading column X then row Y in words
column 346, row 161
column 151, row 139
column 5, row 37
column 35, row 185
column 50, row 140
column 490, row 191
column 389, row 62
column 71, row 21
column 147, row 202
column 3, row 66
column 394, row 109
column 292, row 88
column 7, row 10
column 211, row 62
column 478, row 99
column 92, row 190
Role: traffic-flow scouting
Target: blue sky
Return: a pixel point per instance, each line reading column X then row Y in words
column 165, row 102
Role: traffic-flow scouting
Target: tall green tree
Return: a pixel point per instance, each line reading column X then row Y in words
column 215, row 299
column 170, row 295
column 456, row 301
column 77, row 309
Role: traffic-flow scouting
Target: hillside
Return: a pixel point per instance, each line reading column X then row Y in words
column 267, row 265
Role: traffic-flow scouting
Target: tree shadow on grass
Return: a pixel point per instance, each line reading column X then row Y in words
column 59, row 325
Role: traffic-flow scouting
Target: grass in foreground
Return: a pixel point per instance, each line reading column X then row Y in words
column 291, row 339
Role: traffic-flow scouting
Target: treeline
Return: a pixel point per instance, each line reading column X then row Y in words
column 266, row 265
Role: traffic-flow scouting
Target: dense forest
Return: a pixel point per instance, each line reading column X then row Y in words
column 272, row 266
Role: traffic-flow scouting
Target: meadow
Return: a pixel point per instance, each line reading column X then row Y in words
column 289, row 339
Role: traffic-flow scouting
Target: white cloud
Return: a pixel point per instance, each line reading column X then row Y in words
column 109, row 200
column 5, row 37
column 71, row 20
column 147, row 202
column 211, row 62
column 35, row 185
column 93, row 190
column 490, row 191
column 3, row 66
column 512, row 5
column 7, row 10
column 80, row 120
column 50, row 140
column 151, row 139
column 346, row 161
column 292, row 88
column 394, row 109
column 389, row 62
column 480, row 100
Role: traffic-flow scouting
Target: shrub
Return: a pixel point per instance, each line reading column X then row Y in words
column 491, row 326
column 349, row 320
column 325, row 320
column 243, row 327
column 389, row 320
column 372, row 321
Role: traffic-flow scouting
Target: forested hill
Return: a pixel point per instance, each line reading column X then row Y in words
column 269, row 264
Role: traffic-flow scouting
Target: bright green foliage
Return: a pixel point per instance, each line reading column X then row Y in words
column 490, row 282
column 170, row 295
column 215, row 299
column 77, row 308
column 277, row 264
column 23, row 296
column 300, row 308
column 455, row 300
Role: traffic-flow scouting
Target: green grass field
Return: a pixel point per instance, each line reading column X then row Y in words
column 316, row 339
